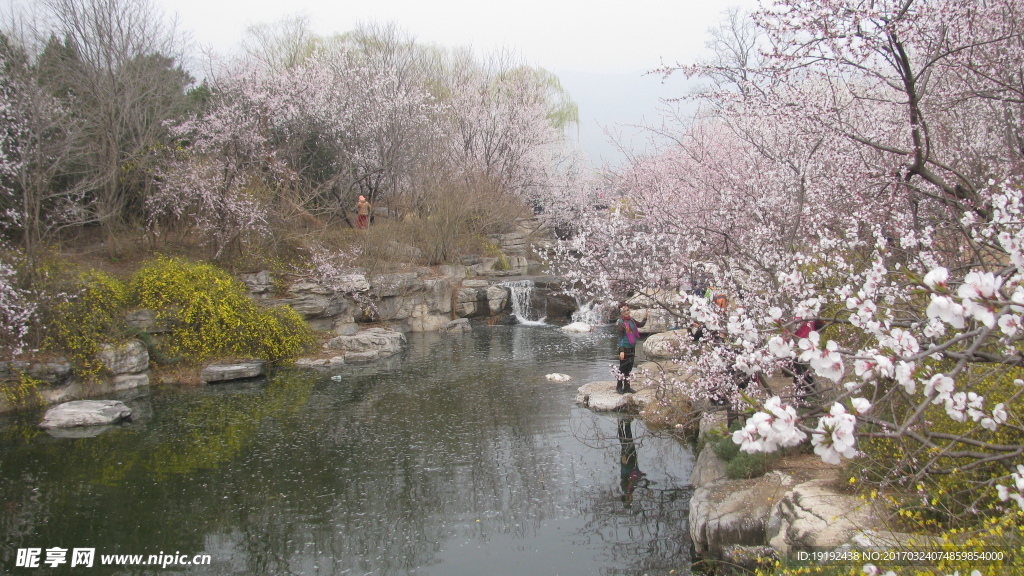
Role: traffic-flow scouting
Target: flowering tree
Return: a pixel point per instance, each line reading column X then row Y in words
column 863, row 171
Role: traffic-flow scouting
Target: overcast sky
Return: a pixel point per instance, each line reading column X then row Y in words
column 600, row 49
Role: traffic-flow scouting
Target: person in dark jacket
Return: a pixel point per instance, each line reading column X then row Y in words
column 629, row 334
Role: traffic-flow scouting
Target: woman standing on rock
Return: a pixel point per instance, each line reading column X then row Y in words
column 629, row 335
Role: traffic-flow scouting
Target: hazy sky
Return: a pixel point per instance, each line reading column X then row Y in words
column 560, row 35
column 600, row 49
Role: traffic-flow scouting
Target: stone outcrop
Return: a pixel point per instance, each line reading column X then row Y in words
column 368, row 345
column 813, row 515
column 665, row 344
column 458, row 326
column 55, row 372
column 85, row 413
column 130, row 357
column 223, row 372
column 799, row 505
column 601, row 397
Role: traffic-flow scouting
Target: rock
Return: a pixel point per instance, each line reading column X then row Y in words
column 731, row 512
column 399, row 284
column 144, row 319
column 85, row 413
column 130, row 381
column 497, row 299
column 361, row 357
column 383, row 341
column 559, row 305
column 750, row 558
column 232, row 371
column 815, row 515
column 259, row 283
column 320, row 362
column 707, row 469
column 55, row 373
column 658, row 320
column 558, row 377
column 666, row 344
column 602, row 397
column 128, row 358
column 422, row 320
column 459, row 325
column 403, row 252
column 577, row 327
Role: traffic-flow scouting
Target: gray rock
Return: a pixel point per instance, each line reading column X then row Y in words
column 232, row 371
column 144, row 319
column 497, row 299
column 731, row 512
column 128, row 358
column 259, row 283
column 457, row 326
column 707, row 469
column 129, row 381
column 85, row 413
column 815, row 515
column 361, row 357
column 381, row 340
column 666, row 344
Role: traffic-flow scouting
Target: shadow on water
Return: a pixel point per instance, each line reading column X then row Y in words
column 456, row 458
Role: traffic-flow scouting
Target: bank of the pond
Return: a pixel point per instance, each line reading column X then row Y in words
column 452, row 457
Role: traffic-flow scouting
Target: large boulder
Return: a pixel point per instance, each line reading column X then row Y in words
column 666, row 344
column 224, row 372
column 85, row 413
column 729, row 512
column 708, row 468
column 381, row 340
column 130, row 357
column 815, row 515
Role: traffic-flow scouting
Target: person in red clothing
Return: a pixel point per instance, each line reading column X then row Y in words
column 362, row 214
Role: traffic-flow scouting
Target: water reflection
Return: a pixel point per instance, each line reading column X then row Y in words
column 458, row 458
column 630, row 475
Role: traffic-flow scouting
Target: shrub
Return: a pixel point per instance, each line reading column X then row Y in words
column 92, row 316
column 210, row 315
column 737, row 464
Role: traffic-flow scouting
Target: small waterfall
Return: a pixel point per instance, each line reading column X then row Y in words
column 520, row 296
column 593, row 313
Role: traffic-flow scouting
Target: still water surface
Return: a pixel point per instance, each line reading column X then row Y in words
column 457, row 458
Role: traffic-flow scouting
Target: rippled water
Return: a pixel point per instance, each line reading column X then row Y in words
column 456, row 458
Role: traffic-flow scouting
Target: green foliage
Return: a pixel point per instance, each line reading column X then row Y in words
column 956, row 492
column 210, row 314
column 22, row 393
column 738, row 464
column 92, row 317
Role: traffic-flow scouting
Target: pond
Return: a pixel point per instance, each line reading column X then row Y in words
column 457, row 458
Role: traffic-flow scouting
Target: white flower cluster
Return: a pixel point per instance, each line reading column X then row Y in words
column 768, row 431
column 835, row 434
column 1015, row 492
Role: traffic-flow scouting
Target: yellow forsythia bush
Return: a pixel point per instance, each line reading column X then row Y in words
column 91, row 316
column 210, row 315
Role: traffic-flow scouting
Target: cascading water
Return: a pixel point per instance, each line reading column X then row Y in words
column 593, row 313
column 520, row 296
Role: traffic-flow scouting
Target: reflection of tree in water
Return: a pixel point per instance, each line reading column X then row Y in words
column 645, row 527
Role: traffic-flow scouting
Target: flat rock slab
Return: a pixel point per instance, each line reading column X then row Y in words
column 85, row 413
column 602, row 397
column 233, row 371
